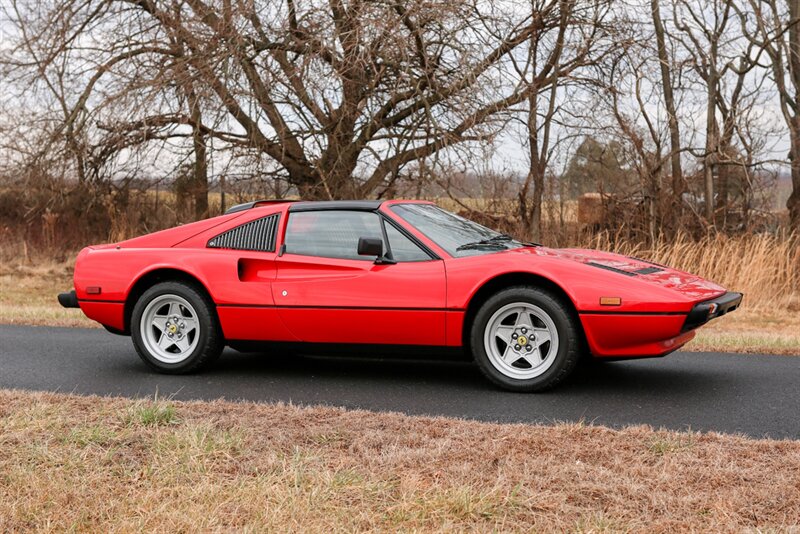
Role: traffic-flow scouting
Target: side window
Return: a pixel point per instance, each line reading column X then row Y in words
column 258, row 235
column 330, row 234
column 403, row 249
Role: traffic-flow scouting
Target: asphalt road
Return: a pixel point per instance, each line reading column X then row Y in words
column 749, row 394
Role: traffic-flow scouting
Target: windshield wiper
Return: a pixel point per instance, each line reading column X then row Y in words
column 495, row 242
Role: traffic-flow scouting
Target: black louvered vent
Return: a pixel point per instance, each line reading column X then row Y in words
column 610, row 268
column 256, row 235
column 648, row 270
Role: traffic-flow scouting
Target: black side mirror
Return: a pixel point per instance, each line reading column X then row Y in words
column 373, row 246
column 370, row 246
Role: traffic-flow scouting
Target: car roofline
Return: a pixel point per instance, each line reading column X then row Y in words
column 336, row 205
column 322, row 205
column 256, row 203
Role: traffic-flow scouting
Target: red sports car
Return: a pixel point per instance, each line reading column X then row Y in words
column 361, row 274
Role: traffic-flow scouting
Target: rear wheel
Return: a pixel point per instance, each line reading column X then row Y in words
column 525, row 339
column 175, row 329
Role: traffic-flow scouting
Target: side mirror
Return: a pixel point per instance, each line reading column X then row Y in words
column 373, row 246
column 370, row 246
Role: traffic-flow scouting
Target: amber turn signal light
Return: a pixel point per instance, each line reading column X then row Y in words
column 610, row 301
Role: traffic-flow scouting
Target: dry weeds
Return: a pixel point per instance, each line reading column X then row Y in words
column 93, row 464
column 766, row 268
column 28, row 294
column 751, row 330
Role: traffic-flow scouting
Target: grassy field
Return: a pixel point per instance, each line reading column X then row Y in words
column 91, row 464
column 27, row 296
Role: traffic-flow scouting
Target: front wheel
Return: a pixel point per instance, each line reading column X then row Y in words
column 175, row 328
column 525, row 339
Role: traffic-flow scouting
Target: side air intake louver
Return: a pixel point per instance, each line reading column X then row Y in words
column 256, row 235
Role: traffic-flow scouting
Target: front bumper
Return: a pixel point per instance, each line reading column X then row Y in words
column 703, row 312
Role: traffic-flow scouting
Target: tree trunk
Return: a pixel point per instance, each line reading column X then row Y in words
column 708, row 180
column 727, row 149
column 793, row 203
column 723, row 191
column 709, row 161
column 222, row 199
column 200, row 176
column 309, row 186
column 530, row 209
column 536, row 206
column 678, row 185
column 199, row 182
column 531, row 213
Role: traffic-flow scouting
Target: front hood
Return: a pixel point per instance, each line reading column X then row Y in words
column 689, row 285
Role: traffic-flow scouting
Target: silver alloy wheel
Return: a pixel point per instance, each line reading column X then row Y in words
column 521, row 340
column 169, row 328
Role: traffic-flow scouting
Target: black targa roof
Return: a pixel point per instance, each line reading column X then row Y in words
column 313, row 205
column 326, row 205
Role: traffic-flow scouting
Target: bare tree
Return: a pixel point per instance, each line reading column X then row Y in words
column 188, row 90
column 341, row 95
column 665, row 64
column 773, row 26
column 727, row 66
column 703, row 32
column 558, row 54
column 639, row 131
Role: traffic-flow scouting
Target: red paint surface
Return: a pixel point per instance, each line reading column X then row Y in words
column 262, row 296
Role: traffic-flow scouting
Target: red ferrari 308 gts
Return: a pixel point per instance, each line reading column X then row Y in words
column 361, row 274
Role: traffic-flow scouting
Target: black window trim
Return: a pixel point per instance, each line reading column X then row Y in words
column 382, row 217
column 431, row 254
column 282, row 248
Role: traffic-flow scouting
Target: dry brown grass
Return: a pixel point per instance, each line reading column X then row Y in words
column 751, row 330
column 100, row 465
column 28, row 294
column 766, row 268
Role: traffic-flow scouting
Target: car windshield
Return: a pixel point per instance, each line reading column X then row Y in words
column 455, row 234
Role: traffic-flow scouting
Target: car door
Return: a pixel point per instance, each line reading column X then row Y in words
column 241, row 263
column 326, row 293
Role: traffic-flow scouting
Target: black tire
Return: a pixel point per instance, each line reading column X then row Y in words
column 570, row 338
column 210, row 340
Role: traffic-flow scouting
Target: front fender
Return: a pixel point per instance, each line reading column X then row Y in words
column 583, row 284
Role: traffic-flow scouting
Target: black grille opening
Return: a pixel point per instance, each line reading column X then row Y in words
column 258, row 235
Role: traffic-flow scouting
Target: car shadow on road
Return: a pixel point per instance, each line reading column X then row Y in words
column 656, row 377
